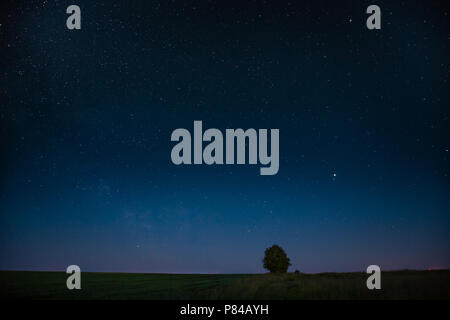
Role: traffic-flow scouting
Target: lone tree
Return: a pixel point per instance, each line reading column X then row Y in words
column 275, row 259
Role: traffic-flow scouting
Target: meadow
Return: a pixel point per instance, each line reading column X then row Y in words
column 395, row 285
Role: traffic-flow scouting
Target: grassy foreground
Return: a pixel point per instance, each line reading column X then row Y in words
column 395, row 285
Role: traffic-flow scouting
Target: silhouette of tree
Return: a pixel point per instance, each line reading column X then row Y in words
column 275, row 259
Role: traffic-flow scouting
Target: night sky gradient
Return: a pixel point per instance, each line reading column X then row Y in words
column 86, row 118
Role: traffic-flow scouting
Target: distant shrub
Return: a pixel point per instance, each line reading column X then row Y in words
column 275, row 260
column 296, row 271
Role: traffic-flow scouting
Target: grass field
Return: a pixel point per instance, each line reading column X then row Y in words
column 395, row 285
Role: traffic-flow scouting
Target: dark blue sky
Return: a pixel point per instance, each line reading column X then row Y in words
column 86, row 118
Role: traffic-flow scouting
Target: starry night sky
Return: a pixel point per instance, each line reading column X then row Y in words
column 86, row 118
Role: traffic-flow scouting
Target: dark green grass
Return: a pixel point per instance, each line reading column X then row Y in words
column 395, row 285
